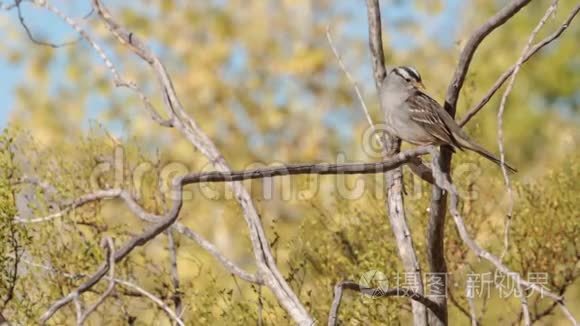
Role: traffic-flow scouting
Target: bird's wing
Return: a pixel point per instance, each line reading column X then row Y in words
column 427, row 112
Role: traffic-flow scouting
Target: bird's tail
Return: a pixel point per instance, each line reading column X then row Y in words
column 485, row 153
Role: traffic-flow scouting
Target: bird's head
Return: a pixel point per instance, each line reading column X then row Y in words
column 407, row 77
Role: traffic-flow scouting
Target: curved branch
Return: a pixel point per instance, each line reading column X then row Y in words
column 506, row 75
column 500, row 18
column 193, row 133
column 168, row 220
column 438, row 206
column 170, row 313
column 81, row 201
column 110, row 253
column 152, row 218
column 125, row 250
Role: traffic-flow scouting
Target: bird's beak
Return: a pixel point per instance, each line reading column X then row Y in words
column 420, row 85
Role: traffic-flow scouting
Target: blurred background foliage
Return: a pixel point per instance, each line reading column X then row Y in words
column 261, row 79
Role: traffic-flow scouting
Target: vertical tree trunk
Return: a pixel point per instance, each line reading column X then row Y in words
column 398, row 220
column 393, row 179
column 436, row 251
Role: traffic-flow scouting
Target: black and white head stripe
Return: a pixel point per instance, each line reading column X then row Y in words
column 408, row 73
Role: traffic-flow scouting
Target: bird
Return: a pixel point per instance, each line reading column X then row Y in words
column 415, row 117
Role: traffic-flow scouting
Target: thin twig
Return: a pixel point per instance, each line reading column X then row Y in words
column 500, row 114
column 118, row 81
column 75, row 294
column 170, row 313
column 458, row 305
column 77, row 27
column 125, row 250
column 108, row 242
column 417, row 165
column 497, row 20
column 549, row 12
column 354, row 84
column 505, row 76
column 153, row 298
column 174, row 274
column 81, row 201
column 32, row 38
column 144, row 215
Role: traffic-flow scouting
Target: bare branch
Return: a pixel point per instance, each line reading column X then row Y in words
column 81, row 201
column 74, row 295
column 500, row 18
column 17, row 4
column 118, row 81
column 377, row 293
column 125, row 250
column 444, row 182
column 472, row 311
column 320, row 168
column 108, row 242
column 174, row 274
column 232, row 267
column 459, row 307
column 551, row 9
column 190, row 129
column 480, row 252
column 144, row 215
column 153, row 298
column 167, row 221
column 505, row 76
column 170, row 313
column 437, row 209
column 77, row 27
column 8, row 7
column 376, row 42
column 217, row 176
column 354, row 84
column 148, row 105
column 394, row 178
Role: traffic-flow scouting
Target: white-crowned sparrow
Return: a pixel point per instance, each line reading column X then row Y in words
column 415, row 117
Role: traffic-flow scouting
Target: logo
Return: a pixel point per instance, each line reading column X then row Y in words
column 374, row 281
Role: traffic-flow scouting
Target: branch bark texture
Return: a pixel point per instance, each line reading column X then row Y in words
column 394, row 178
column 436, row 225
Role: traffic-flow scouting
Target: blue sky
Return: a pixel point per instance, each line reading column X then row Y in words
column 45, row 26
